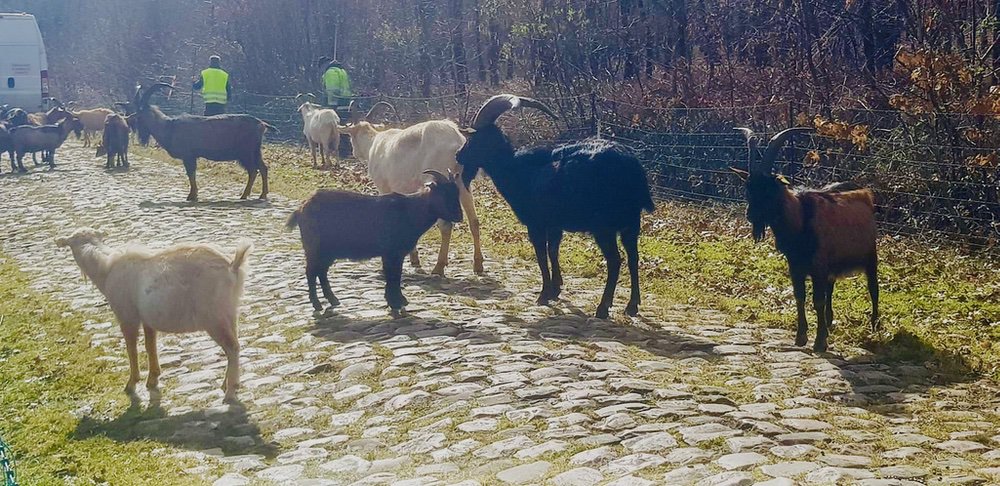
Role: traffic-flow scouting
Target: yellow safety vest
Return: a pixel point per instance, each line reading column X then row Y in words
column 336, row 83
column 213, row 88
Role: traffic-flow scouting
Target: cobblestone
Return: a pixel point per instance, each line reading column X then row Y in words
column 477, row 384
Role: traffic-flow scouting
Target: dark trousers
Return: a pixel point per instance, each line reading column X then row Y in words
column 214, row 109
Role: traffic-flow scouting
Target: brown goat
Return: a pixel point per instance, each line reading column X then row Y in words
column 338, row 225
column 188, row 137
column 824, row 233
column 114, row 142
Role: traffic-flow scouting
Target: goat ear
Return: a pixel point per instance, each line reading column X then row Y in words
column 782, row 179
column 742, row 173
column 467, row 131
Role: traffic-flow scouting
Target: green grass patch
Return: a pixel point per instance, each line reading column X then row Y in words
column 50, row 376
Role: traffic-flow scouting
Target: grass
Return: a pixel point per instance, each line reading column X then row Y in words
column 939, row 305
column 50, row 371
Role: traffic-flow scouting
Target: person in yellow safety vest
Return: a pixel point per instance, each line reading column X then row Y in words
column 214, row 86
column 337, row 85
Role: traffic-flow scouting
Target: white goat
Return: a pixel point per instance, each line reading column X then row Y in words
column 184, row 288
column 321, row 126
column 93, row 122
column 397, row 159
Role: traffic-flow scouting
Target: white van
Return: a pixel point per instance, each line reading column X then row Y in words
column 24, row 71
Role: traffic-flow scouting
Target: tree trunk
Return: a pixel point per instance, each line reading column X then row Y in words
column 424, row 17
column 458, row 46
column 494, row 52
column 478, row 37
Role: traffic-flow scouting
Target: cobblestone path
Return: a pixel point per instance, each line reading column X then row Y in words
column 477, row 385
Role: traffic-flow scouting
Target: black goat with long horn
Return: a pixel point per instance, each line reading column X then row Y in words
column 593, row 186
column 188, row 137
column 824, row 233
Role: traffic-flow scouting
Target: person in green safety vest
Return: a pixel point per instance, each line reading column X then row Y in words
column 215, row 88
column 337, row 85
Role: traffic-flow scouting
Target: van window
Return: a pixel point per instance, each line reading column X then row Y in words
column 10, row 83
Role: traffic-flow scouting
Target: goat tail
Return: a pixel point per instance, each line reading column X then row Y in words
column 292, row 221
column 269, row 127
column 242, row 250
column 646, row 200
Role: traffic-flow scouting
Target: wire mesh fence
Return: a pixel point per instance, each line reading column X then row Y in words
column 931, row 178
column 7, row 465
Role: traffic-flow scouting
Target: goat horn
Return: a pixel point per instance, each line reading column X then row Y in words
column 438, row 177
column 368, row 116
column 502, row 103
column 144, row 102
column 753, row 141
column 775, row 144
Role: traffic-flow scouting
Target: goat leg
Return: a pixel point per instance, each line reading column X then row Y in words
column 820, row 286
column 153, row 379
column 131, row 334
column 414, row 258
column 799, row 289
column 312, row 275
column 392, row 266
column 190, row 166
column 553, row 239
column 465, row 197
column 871, row 272
column 325, row 283
column 262, row 168
column 251, row 178
column 630, row 240
column 609, row 247
column 538, row 241
column 442, row 261
column 829, row 304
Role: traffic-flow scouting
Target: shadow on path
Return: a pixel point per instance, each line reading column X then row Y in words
column 229, row 429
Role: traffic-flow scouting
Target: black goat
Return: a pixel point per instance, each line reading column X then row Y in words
column 594, row 186
column 17, row 117
column 824, row 233
column 45, row 139
column 114, row 141
column 188, row 137
column 336, row 225
column 7, row 143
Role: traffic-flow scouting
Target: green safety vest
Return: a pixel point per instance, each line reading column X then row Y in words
column 336, row 84
column 213, row 88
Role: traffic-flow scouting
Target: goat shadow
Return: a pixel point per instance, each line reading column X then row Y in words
column 237, row 204
column 479, row 288
column 227, row 428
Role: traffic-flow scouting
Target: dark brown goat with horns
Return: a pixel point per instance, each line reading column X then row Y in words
column 188, row 137
column 824, row 233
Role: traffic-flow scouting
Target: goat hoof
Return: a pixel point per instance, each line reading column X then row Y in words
column 801, row 340
column 632, row 310
column 542, row 300
column 602, row 313
column 230, row 399
column 439, row 271
column 819, row 347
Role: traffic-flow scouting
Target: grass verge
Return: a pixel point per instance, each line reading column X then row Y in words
column 50, row 375
column 939, row 305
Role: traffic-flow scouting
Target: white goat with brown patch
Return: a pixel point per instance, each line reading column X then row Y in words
column 397, row 160
column 184, row 288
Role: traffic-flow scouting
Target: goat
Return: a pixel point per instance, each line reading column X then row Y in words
column 188, row 137
column 321, row 127
column 114, row 142
column 7, row 143
column 93, row 121
column 46, row 139
column 824, row 233
column 338, row 225
column 593, row 186
column 184, row 288
column 17, row 117
column 398, row 157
